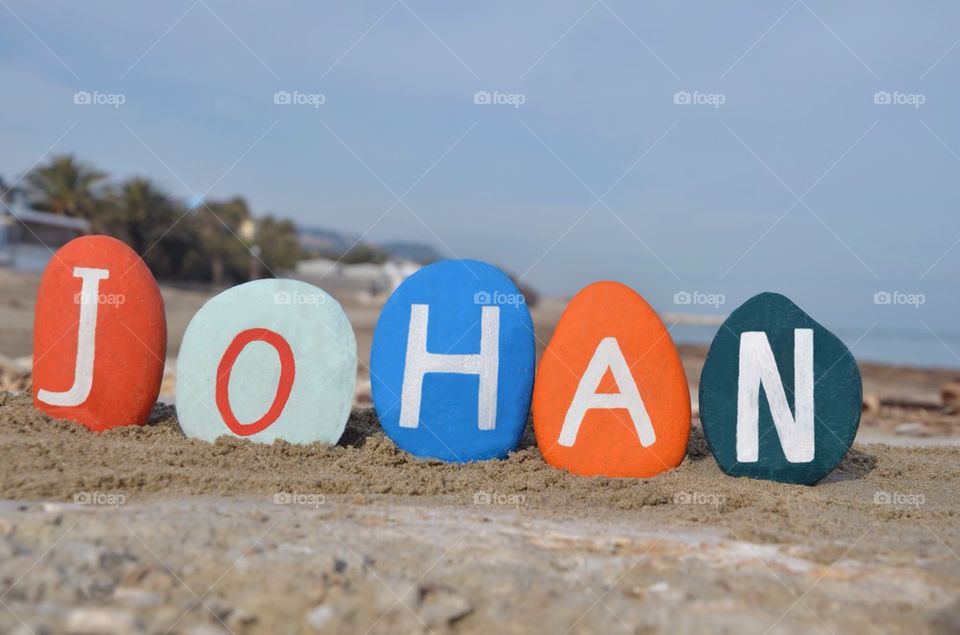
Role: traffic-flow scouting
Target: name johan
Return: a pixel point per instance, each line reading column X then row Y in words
column 453, row 367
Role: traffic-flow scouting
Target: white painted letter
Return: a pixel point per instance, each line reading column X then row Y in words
column 86, row 340
column 419, row 362
column 607, row 355
column 758, row 367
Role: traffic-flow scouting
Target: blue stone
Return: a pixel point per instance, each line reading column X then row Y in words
column 452, row 363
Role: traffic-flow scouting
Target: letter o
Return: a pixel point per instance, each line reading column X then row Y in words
column 284, row 385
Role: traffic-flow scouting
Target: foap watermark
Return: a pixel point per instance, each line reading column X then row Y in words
column 496, row 298
column 899, row 298
column 296, row 98
column 899, row 499
column 699, row 298
column 496, row 98
column 96, row 98
column 295, row 498
column 484, row 497
column 897, row 98
column 297, row 298
column 109, row 299
column 699, row 498
column 101, row 499
column 696, row 98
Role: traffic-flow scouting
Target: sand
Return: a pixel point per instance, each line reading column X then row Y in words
column 364, row 536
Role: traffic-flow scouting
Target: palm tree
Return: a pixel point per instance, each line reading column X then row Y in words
column 64, row 186
column 152, row 224
column 139, row 213
column 219, row 225
column 278, row 242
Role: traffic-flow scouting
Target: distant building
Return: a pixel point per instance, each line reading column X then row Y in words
column 248, row 229
column 29, row 238
column 366, row 278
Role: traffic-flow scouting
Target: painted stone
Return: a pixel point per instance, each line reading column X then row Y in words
column 99, row 335
column 780, row 395
column 267, row 360
column 611, row 396
column 452, row 363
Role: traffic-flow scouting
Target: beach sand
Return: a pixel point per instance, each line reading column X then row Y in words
column 142, row 530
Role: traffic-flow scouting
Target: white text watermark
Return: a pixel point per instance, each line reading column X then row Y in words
column 696, row 98
column 297, row 98
column 496, row 298
column 496, row 98
column 897, row 98
column 899, row 298
column 483, row 497
column 699, row 298
column 96, row 98
column 103, row 499
column 295, row 498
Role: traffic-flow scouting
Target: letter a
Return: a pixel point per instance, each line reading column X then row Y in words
column 86, row 331
column 758, row 367
column 419, row 362
column 607, row 356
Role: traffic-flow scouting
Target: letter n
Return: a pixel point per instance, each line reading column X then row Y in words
column 759, row 368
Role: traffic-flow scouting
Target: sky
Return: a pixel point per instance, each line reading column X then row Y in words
column 693, row 150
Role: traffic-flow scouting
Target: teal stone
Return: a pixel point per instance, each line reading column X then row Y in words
column 780, row 395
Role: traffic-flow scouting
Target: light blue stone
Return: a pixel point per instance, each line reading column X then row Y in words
column 324, row 352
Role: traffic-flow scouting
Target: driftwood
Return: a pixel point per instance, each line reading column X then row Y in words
column 872, row 403
column 950, row 394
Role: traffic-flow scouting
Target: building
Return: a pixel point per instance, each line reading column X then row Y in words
column 29, row 238
column 367, row 279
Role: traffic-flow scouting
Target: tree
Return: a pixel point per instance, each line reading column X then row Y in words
column 137, row 213
column 64, row 186
column 221, row 227
column 217, row 241
column 150, row 222
column 278, row 243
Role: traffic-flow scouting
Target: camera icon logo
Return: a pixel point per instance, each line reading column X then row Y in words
column 682, row 297
column 882, row 297
column 882, row 97
column 281, row 297
column 482, row 498
column 82, row 98
column 282, row 98
column 482, row 97
column 882, row 498
column 682, row 97
column 481, row 297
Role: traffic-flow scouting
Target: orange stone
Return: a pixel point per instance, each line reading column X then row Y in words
column 99, row 335
column 611, row 396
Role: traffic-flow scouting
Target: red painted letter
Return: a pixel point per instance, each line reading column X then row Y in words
column 287, row 372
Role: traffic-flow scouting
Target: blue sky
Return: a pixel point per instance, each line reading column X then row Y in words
column 797, row 182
